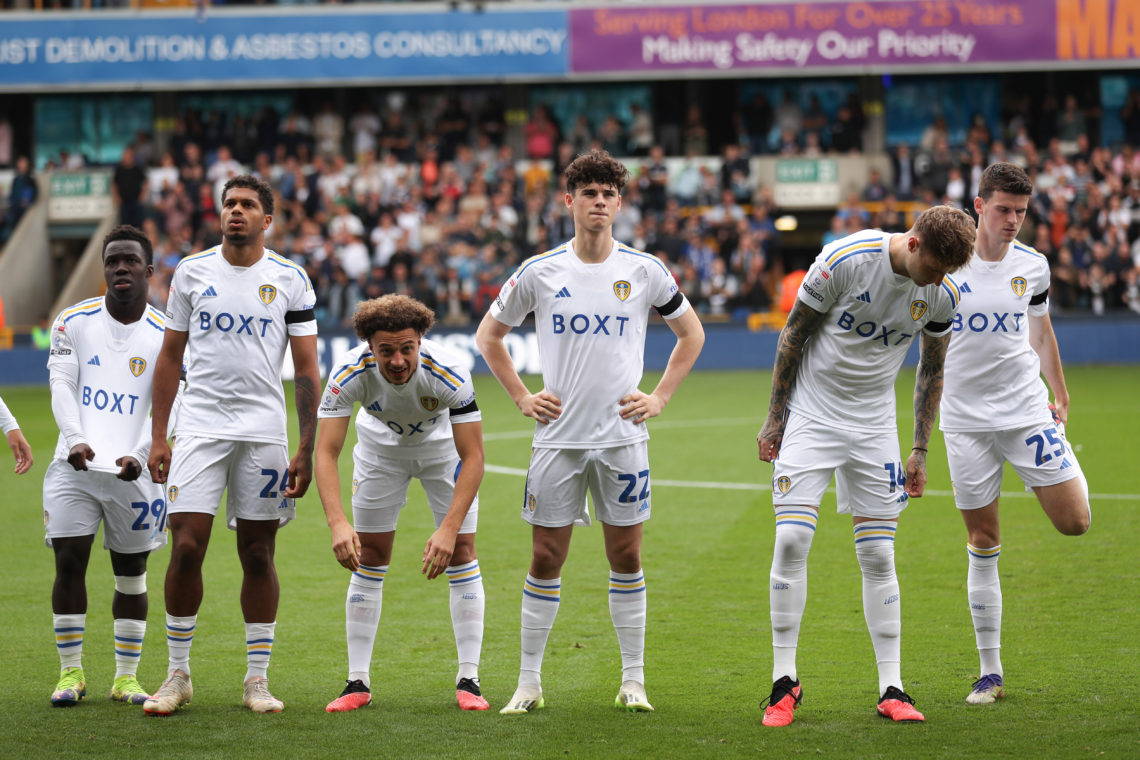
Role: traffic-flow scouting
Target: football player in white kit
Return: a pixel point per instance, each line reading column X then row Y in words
column 591, row 299
column 995, row 408
column 832, row 411
column 418, row 419
column 238, row 307
column 21, row 449
column 100, row 366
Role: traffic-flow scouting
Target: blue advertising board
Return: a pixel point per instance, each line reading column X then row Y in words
column 303, row 47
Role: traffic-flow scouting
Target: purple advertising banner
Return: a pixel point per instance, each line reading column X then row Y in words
column 881, row 35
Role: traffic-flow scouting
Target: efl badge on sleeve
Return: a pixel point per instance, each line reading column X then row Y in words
column 138, row 365
column 267, row 293
column 917, row 309
column 1018, row 284
column 783, row 483
column 621, row 290
column 431, row 403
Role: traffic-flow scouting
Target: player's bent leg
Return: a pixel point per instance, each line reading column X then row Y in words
column 1067, row 505
column 467, row 603
column 189, row 539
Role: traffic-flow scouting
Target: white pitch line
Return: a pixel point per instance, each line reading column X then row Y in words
column 716, row 485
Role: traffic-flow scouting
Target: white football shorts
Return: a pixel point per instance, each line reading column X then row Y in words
column 869, row 475
column 1039, row 453
column 133, row 513
column 380, row 490
column 617, row 480
column 252, row 474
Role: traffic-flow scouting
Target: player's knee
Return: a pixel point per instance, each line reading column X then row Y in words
column 792, row 546
column 876, row 560
column 547, row 560
column 1076, row 522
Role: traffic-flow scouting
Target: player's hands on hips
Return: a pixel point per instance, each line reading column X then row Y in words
column 79, row 456
column 129, row 468
column 543, row 406
column 437, row 552
column 768, row 440
column 21, row 450
column 300, row 475
column 346, row 545
column 639, row 407
column 915, row 473
column 159, row 461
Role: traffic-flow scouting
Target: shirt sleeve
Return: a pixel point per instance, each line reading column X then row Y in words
column 7, row 419
column 515, row 299
column 178, row 304
column 667, row 299
column 63, row 379
column 820, row 286
column 300, row 318
column 338, row 400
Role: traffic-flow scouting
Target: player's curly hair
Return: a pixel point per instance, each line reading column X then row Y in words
column 391, row 313
column 1004, row 177
column 258, row 185
column 596, row 166
column 129, row 232
column 947, row 234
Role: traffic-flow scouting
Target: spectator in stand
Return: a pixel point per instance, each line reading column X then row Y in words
column 540, row 134
column 876, row 189
column 22, row 194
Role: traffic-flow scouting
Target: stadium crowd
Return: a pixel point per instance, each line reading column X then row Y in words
column 434, row 203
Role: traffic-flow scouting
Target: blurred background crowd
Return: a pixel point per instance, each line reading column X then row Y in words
column 424, row 196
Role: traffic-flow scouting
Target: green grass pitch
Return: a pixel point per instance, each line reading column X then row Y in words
column 1070, row 620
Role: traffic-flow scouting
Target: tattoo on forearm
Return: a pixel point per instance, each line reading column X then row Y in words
column 305, row 396
column 802, row 324
column 928, row 386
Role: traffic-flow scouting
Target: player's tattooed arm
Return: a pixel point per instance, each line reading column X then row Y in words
column 803, row 321
column 306, row 396
column 927, row 395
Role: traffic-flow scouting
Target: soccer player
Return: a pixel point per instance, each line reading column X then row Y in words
column 237, row 307
column 995, row 408
column 832, row 410
column 591, row 299
column 418, row 419
column 21, row 450
column 100, row 365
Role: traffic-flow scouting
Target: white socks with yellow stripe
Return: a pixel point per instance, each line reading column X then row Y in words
column 465, row 584
column 983, row 591
column 787, row 589
column 361, row 616
column 258, row 648
column 539, row 608
column 69, row 639
column 875, row 549
column 179, row 637
column 627, row 611
column 129, row 636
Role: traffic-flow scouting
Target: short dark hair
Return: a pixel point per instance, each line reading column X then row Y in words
column 391, row 313
column 129, row 232
column 1004, row 177
column 250, row 182
column 596, row 166
column 947, row 234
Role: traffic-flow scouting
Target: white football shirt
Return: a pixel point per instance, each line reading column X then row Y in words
column 993, row 376
column 112, row 366
column 590, row 320
column 238, row 320
column 408, row 421
column 872, row 315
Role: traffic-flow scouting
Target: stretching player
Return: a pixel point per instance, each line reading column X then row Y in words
column 417, row 419
column 100, row 366
column 859, row 309
column 995, row 408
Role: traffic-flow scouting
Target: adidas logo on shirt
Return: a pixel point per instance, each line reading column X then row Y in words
column 94, row 360
column 866, row 297
column 964, row 288
column 375, row 406
column 564, row 293
column 208, row 292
